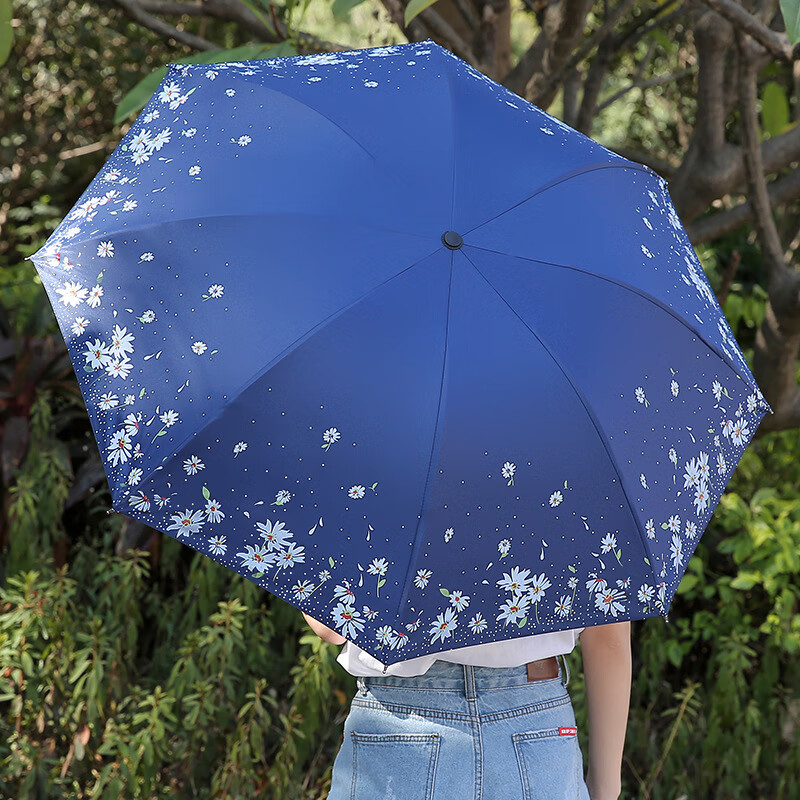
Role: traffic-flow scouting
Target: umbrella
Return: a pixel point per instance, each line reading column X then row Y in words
column 386, row 339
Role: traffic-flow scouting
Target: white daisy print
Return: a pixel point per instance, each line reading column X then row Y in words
column 160, row 139
column 213, row 511
column 302, row 590
column 93, row 300
column 716, row 388
column 140, row 502
column 293, row 554
column 148, row 316
column 674, row 523
column 722, row 467
column 238, row 448
column 348, row 620
column 514, row 609
column 230, row 92
column 508, row 471
column 422, row 577
column 134, row 476
column 216, row 290
column 676, row 551
column 199, row 347
column 727, row 428
column 459, row 600
column 690, row 529
column 650, row 529
column 673, row 387
column 344, row 593
column 217, row 545
column 378, row 566
column 256, row 558
column 556, row 499
column 563, row 606
column 517, row 581
column 640, row 394
column 356, row 492
column 105, row 250
column 187, row 522
column 107, row 400
column 120, row 448
column 129, row 205
column 443, row 626
column 596, row 584
column 194, row 170
column 96, row 354
column 643, row 481
column 169, row 418
column 608, row 543
column 189, row 132
column 692, row 475
column 478, row 624
column 740, row 432
column 368, row 612
column 609, row 601
column 645, row 594
column 539, row 583
column 701, row 498
column 282, row 497
column 673, row 456
column 572, row 582
column 504, row 547
column 146, row 257
column 243, row 140
column 329, row 437
column 79, row 325
column 119, row 369
column 131, row 423
column 121, row 342
column 752, row 402
column 274, row 534
column 73, row 294
column 193, row 465
column 448, row 534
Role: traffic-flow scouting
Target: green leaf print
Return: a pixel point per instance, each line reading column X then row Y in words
column 522, row 622
column 100, row 277
column 206, row 493
column 445, row 592
column 141, row 393
column 331, row 561
column 571, row 568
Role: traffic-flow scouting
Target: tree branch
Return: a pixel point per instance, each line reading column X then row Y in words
column 776, row 43
column 778, row 338
column 638, row 84
column 781, row 191
column 135, row 12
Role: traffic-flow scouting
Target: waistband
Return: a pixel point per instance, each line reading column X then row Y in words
column 453, row 676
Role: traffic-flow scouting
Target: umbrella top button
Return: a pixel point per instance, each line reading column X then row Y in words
column 452, row 240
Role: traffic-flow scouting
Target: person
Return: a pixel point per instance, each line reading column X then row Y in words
column 484, row 721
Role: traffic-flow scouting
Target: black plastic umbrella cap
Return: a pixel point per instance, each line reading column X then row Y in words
column 452, row 240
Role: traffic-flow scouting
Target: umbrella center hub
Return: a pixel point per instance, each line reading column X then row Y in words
column 452, row 240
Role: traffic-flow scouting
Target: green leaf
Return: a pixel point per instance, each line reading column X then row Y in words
column 141, row 393
column 664, row 525
column 6, row 31
column 100, row 277
column 521, row 623
column 206, row 493
column 571, row 568
column 791, row 16
column 341, row 8
column 444, row 592
column 137, row 98
column 416, row 7
column 330, row 561
column 565, row 484
column 647, row 561
column 381, row 582
column 774, row 109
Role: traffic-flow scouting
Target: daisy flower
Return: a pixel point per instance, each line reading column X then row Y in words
column 674, row 523
column 422, row 577
column 256, row 558
column 73, row 294
column 645, row 594
column 213, row 511
column 716, row 388
column 79, row 325
column 356, row 492
column 105, row 250
column 217, row 545
column 330, row 436
column 187, row 522
column 740, row 432
column 348, row 619
column 608, row 543
column 243, row 140
column 676, row 551
column 673, row 456
column 274, row 534
column 282, row 497
column 504, row 547
column 378, row 566
column 537, row 588
column 513, row 610
column 609, row 601
column 517, row 581
column 444, row 625
column 459, row 600
column 595, row 584
column 384, row 634
column 239, row 447
column 107, row 401
column 448, row 534
column 199, row 347
column 722, row 467
column 293, row 554
column 169, row 418
column 478, row 624
column 120, row 368
column 119, row 449
column 216, row 290
column 148, row 316
column 121, row 342
column 134, row 476
column 650, row 529
column 563, row 606
column 140, row 501
column 194, row 170
column 640, row 394
column 193, row 465
column 95, row 294
column 674, row 388
column 556, row 498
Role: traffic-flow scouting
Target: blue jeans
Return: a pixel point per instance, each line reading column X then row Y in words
column 460, row 732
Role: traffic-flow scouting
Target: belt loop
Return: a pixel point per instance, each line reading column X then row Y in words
column 566, row 668
column 362, row 685
column 469, row 681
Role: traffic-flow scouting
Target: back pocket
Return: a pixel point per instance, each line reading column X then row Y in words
column 394, row 765
column 550, row 764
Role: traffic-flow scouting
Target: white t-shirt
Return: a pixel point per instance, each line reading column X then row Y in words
column 511, row 653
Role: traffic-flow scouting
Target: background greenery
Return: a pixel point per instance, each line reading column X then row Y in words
column 131, row 666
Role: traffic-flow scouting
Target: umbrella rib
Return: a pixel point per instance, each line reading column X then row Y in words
column 627, row 286
column 567, row 176
column 447, row 66
column 300, row 340
column 589, row 413
column 415, row 549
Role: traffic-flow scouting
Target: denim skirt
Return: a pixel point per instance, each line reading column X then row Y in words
column 460, row 732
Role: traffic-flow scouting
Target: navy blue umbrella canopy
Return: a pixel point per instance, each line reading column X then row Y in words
column 383, row 337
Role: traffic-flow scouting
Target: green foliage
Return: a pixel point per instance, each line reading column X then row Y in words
column 791, row 16
column 774, row 109
column 6, row 31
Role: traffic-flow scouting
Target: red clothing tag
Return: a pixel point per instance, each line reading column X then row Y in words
column 567, row 731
